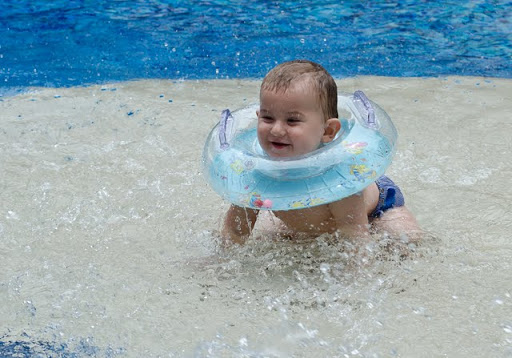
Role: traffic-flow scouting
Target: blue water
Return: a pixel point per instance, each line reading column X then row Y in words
column 28, row 346
column 75, row 42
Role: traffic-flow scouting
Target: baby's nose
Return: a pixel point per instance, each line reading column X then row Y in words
column 278, row 129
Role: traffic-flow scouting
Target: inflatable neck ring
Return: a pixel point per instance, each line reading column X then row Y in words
column 241, row 172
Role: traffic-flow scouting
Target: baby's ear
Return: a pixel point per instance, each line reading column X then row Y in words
column 332, row 127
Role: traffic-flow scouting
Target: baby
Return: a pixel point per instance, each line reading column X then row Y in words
column 298, row 113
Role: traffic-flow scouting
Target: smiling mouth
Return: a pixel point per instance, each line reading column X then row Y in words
column 279, row 145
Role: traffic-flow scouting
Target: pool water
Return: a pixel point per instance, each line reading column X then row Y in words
column 107, row 232
column 68, row 43
column 108, row 226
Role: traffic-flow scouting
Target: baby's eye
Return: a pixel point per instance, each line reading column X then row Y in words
column 293, row 120
column 266, row 118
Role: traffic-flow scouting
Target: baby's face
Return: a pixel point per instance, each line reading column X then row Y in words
column 290, row 123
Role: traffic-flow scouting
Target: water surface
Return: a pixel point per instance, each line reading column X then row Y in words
column 107, row 231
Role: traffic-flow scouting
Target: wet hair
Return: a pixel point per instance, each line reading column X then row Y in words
column 281, row 78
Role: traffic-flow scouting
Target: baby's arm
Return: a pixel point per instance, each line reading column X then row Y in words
column 238, row 224
column 351, row 216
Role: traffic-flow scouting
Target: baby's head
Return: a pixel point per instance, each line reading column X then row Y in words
column 298, row 109
column 311, row 76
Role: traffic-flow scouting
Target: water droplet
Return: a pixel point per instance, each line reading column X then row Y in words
column 324, row 267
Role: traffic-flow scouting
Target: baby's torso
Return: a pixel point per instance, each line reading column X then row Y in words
column 319, row 219
column 315, row 220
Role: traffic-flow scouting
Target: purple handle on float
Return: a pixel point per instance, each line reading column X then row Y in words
column 370, row 113
column 223, row 124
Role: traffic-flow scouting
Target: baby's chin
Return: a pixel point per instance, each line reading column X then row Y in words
column 279, row 151
column 283, row 154
column 285, row 151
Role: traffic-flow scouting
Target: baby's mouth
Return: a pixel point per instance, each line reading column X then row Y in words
column 279, row 145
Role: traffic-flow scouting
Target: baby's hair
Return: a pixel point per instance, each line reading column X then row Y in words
column 281, row 77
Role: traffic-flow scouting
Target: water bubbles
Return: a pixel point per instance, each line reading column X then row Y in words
column 301, row 279
column 30, row 308
column 243, row 342
column 471, row 177
column 419, row 310
column 12, row 215
column 430, row 175
column 277, row 304
column 324, row 267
